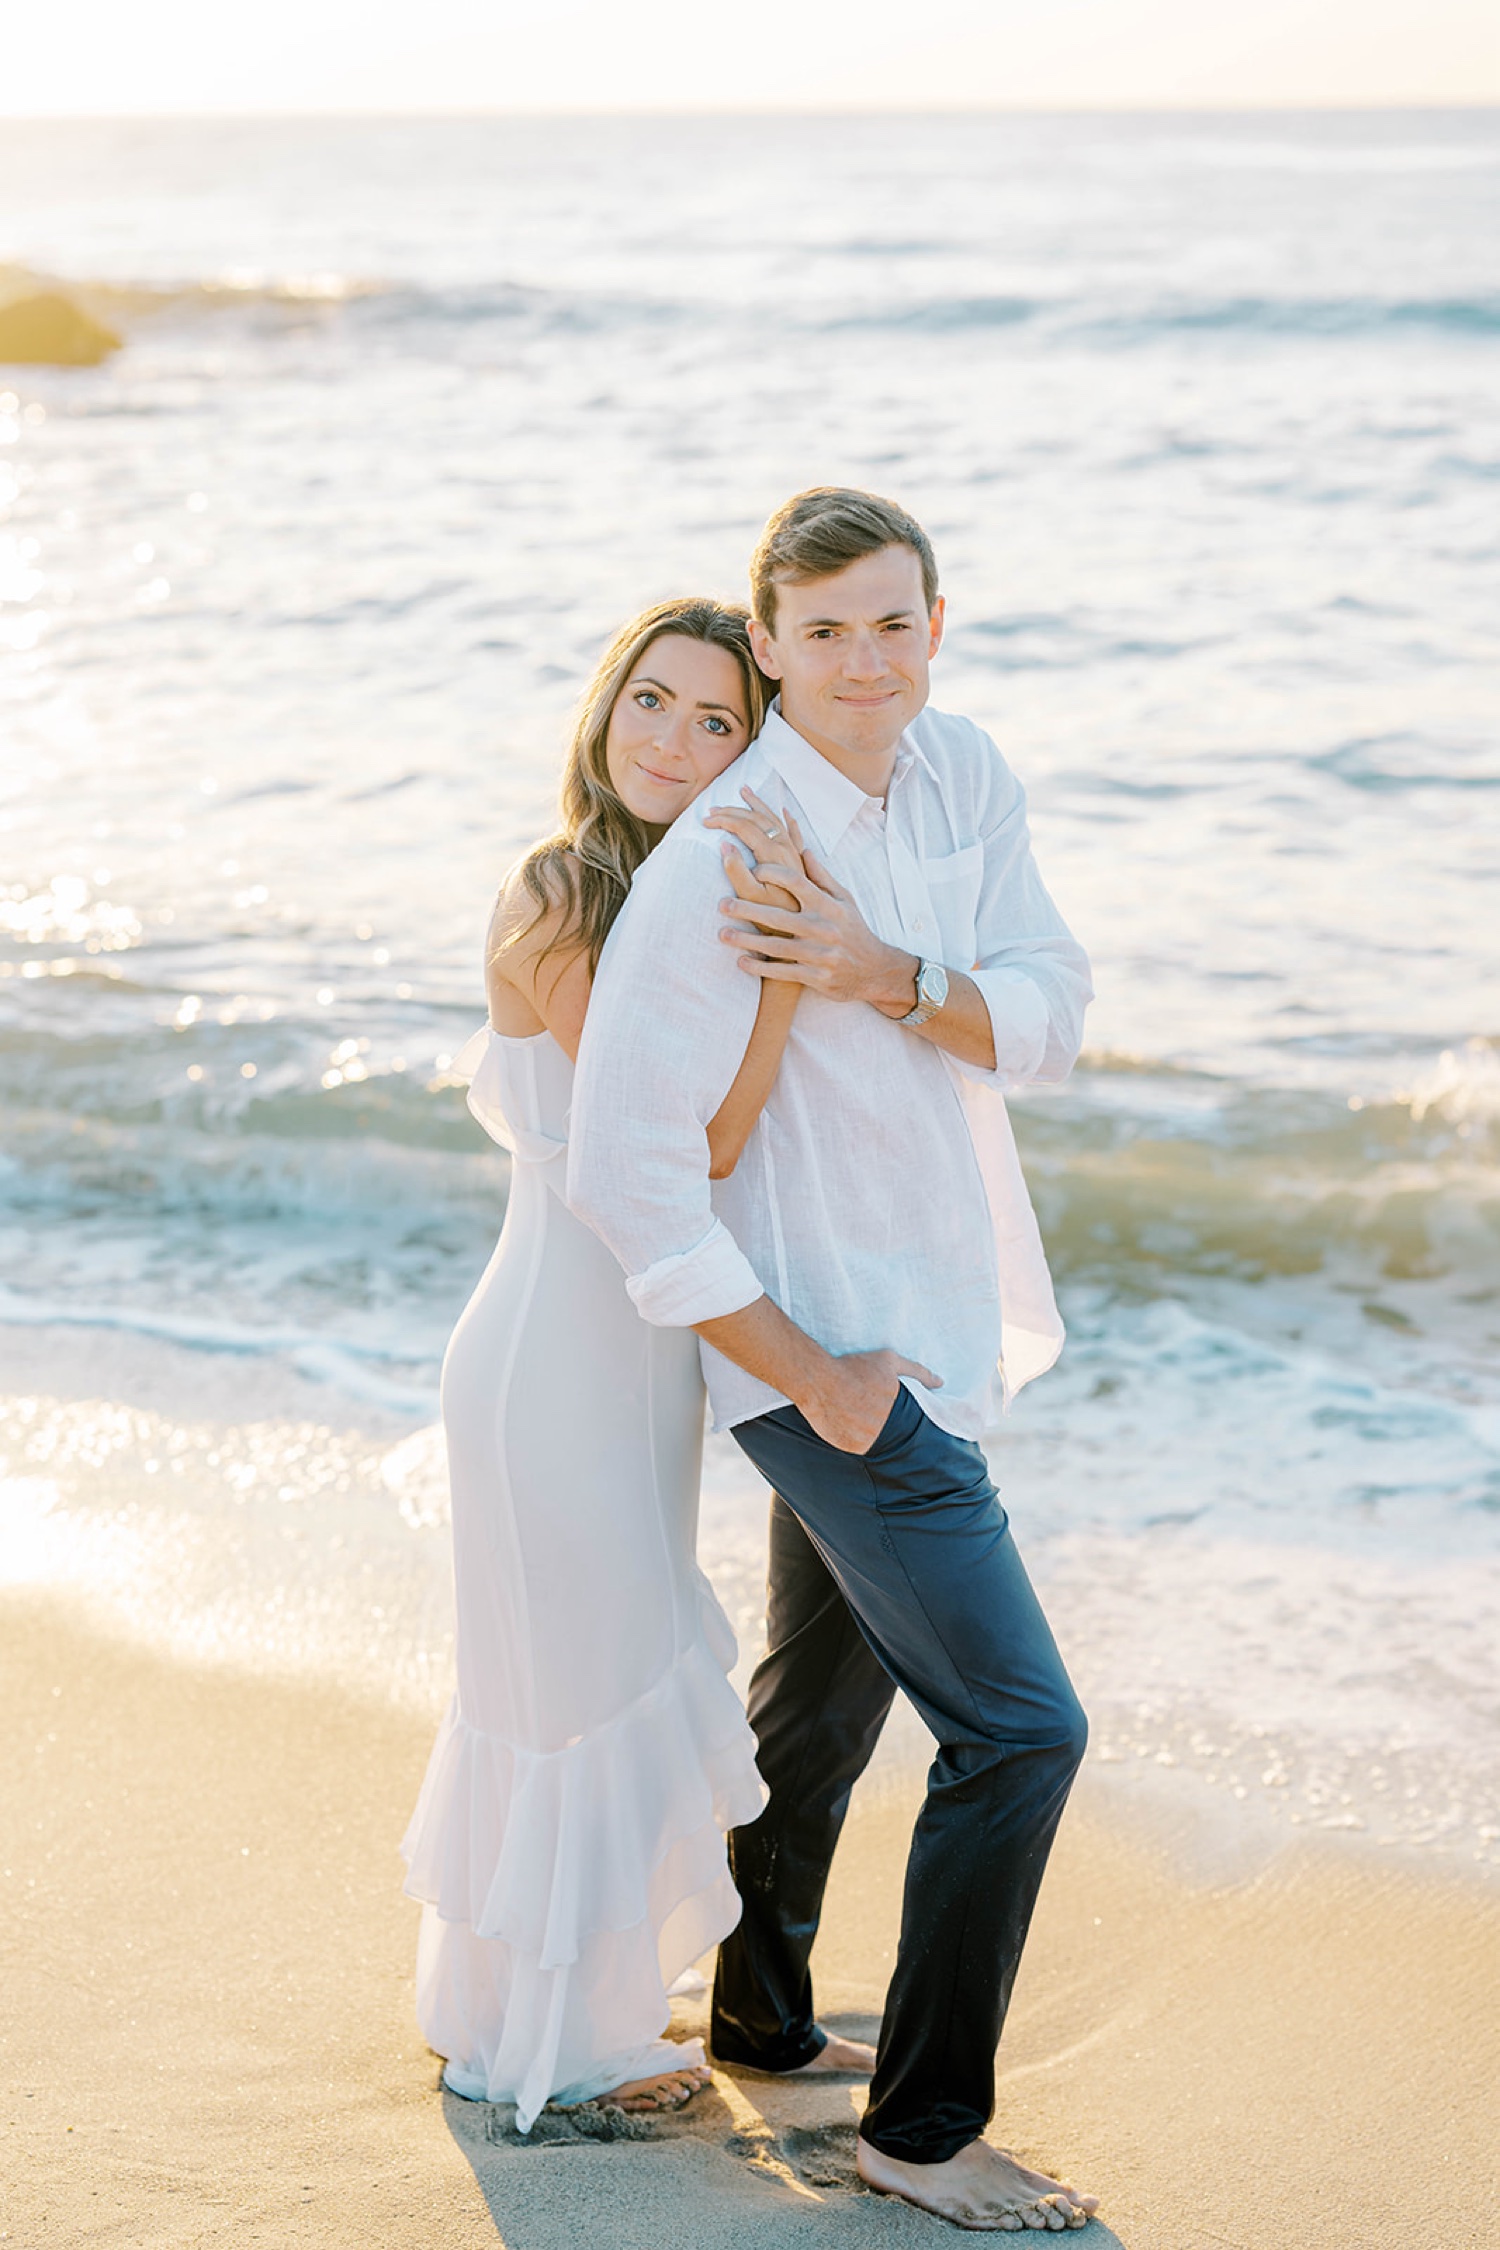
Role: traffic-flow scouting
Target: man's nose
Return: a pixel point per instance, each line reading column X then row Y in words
column 864, row 658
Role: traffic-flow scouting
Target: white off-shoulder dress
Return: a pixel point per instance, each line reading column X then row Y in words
column 568, row 1842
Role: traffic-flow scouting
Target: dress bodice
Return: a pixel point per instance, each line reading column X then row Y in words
column 519, row 1089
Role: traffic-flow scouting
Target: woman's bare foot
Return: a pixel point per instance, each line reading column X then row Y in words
column 985, row 2189
column 670, row 2089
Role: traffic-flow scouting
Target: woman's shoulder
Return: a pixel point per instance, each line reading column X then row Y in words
column 537, row 966
column 535, row 900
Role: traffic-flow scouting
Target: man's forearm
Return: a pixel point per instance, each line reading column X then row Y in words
column 761, row 1339
column 961, row 1026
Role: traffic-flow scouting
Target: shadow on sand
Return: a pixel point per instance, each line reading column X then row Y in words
column 749, row 2165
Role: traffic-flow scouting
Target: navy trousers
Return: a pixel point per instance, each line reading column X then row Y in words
column 896, row 1568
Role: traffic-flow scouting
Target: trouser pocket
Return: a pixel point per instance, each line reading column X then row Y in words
column 898, row 1428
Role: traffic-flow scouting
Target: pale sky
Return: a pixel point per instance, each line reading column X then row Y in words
column 102, row 57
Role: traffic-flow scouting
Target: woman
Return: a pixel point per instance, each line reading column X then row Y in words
column 568, row 1841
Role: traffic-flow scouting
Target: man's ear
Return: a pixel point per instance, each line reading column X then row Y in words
column 763, row 648
column 934, row 629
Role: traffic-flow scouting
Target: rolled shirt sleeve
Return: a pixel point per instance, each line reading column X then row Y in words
column 667, row 1027
column 1019, row 1023
column 1030, row 969
column 712, row 1278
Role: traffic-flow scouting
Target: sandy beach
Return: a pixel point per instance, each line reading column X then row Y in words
column 207, row 2027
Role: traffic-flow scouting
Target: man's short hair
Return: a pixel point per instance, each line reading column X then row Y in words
column 818, row 533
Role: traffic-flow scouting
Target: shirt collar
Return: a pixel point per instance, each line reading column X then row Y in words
column 831, row 801
column 909, row 753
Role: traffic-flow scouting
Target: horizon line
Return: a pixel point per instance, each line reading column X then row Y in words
column 463, row 112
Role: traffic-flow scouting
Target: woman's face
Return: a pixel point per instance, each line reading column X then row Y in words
column 678, row 721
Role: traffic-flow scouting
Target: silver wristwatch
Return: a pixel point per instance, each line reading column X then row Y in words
column 932, row 991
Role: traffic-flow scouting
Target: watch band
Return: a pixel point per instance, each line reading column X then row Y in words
column 932, row 991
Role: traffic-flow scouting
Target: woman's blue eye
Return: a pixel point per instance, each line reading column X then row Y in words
column 717, row 726
column 649, row 698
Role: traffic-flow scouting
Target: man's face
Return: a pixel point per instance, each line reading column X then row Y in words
column 852, row 652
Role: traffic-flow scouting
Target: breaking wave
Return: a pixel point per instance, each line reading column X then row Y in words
column 517, row 305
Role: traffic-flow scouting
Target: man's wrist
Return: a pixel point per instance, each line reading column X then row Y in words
column 895, row 991
column 817, row 1381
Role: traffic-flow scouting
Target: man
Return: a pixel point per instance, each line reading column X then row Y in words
column 857, row 1282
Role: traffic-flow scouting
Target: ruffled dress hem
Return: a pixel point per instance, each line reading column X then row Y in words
column 565, row 1890
column 544, row 1849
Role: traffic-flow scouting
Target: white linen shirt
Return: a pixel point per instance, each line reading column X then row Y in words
column 879, row 1200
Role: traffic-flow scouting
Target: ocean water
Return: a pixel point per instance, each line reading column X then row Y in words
column 296, row 592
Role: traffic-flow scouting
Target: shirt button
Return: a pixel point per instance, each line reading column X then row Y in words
column 919, row 924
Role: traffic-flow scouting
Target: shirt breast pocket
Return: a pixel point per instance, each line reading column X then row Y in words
column 953, row 883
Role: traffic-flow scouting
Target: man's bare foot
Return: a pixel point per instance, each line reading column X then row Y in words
column 985, row 2189
column 671, row 2089
column 838, row 2058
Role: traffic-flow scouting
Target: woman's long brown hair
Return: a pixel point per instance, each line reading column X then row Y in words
column 587, row 865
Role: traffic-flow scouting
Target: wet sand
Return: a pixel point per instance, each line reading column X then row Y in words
column 206, row 2033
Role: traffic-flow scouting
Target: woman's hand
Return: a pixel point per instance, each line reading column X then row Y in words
column 772, row 843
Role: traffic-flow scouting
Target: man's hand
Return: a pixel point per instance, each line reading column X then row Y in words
column 825, row 943
column 850, row 1399
column 845, row 1400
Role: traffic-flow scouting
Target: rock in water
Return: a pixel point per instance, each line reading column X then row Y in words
column 48, row 330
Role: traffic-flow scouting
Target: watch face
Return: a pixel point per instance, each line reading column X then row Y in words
column 932, row 985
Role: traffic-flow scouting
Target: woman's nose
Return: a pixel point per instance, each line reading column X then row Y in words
column 674, row 736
